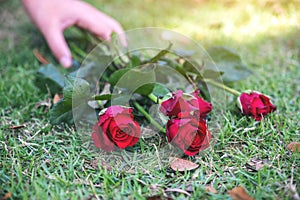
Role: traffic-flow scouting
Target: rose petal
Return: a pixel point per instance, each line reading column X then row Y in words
column 118, row 136
column 136, row 135
column 204, row 107
column 176, row 104
column 122, row 120
column 172, row 129
column 101, row 140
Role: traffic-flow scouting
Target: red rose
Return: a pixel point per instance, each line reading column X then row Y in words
column 189, row 134
column 101, row 140
column 255, row 104
column 204, row 106
column 117, row 128
column 183, row 102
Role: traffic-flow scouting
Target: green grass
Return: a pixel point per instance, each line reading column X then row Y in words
column 41, row 162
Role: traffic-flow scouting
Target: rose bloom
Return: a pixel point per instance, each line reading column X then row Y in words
column 255, row 104
column 116, row 127
column 183, row 102
column 188, row 133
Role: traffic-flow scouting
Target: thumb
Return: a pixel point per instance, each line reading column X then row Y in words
column 58, row 45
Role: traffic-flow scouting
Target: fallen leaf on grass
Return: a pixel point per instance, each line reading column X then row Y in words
column 6, row 196
column 294, row 146
column 239, row 193
column 211, row 189
column 40, row 57
column 17, row 127
column 56, row 98
column 181, row 165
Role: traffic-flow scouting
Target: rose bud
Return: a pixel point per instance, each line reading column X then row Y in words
column 117, row 128
column 255, row 104
column 183, row 102
column 189, row 134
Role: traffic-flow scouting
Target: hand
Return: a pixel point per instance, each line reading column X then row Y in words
column 52, row 17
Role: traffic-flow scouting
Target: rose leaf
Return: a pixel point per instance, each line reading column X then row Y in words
column 115, row 77
column 229, row 62
column 50, row 78
column 160, row 90
column 76, row 88
column 61, row 112
column 76, row 91
column 139, row 80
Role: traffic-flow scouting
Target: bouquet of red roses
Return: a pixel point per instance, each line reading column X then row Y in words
column 116, row 88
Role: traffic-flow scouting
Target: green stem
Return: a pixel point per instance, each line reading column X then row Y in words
column 161, row 54
column 154, row 98
column 149, row 118
column 222, row 86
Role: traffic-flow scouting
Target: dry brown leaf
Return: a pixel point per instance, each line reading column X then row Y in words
column 294, row 146
column 40, row 57
column 239, row 193
column 181, row 165
column 56, row 98
column 211, row 189
column 17, row 127
column 6, row 196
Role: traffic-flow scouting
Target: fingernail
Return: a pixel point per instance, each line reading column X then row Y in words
column 65, row 61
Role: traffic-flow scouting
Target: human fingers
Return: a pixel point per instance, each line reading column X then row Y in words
column 58, row 45
column 100, row 24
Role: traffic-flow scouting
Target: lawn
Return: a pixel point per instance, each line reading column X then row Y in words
column 38, row 161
